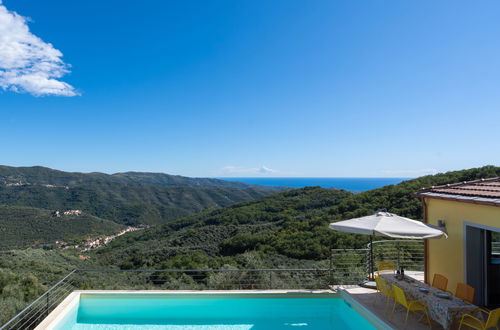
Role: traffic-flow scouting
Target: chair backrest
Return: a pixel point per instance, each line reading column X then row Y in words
column 465, row 292
column 440, row 282
column 399, row 296
column 382, row 285
column 385, row 267
column 379, row 281
column 493, row 319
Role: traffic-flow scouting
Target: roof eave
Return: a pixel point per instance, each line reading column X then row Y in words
column 457, row 198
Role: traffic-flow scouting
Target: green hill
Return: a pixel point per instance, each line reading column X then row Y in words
column 26, row 274
column 39, row 175
column 283, row 229
column 26, row 226
column 126, row 198
column 287, row 229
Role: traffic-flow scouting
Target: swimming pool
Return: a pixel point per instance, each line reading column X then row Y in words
column 212, row 311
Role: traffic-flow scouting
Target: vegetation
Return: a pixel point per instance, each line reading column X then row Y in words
column 283, row 230
column 26, row 274
column 17, row 291
column 38, row 175
column 125, row 198
column 26, row 226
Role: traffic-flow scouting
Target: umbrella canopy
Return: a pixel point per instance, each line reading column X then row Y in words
column 388, row 224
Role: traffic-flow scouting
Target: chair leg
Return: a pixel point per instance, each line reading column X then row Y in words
column 406, row 319
column 428, row 319
column 393, row 308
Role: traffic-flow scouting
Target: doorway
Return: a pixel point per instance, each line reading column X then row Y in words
column 482, row 263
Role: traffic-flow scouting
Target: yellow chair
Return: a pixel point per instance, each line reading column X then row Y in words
column 414, row 306
column 465, row 292
column 440, row 282
column 384, row 288
column 384, row 267
column 475, row 323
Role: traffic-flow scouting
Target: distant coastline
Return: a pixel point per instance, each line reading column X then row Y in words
column 351, row 184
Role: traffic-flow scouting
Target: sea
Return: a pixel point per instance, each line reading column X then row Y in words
column 351, row 184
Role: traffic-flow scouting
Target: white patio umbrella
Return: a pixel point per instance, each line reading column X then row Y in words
column 387, row 224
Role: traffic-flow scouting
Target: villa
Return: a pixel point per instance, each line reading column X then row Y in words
column 470, row 214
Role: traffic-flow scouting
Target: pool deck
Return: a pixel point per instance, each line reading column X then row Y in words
column 366, row 297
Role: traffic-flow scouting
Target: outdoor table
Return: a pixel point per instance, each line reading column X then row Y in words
column 443, row 311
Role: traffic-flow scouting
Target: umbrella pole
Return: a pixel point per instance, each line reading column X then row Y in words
column 371, row 258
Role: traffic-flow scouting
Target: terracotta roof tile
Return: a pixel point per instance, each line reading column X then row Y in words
column 485, row 189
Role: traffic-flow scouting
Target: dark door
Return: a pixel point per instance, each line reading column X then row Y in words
column 493, row 269
column 475, row 263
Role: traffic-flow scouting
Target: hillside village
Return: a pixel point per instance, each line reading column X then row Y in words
column 93, row 243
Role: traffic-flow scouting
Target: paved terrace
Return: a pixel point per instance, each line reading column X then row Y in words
column 367, row 296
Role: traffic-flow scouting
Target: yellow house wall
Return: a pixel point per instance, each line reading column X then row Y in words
column 447, row 256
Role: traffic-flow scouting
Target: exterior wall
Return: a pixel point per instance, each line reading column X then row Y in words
column 447, row 256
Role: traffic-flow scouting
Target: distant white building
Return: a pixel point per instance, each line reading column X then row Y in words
column 73, row 212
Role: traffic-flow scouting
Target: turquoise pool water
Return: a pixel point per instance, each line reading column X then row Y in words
column 131, row 312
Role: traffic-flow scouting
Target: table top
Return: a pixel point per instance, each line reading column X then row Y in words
column 442, row 310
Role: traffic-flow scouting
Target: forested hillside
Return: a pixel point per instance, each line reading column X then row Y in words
column 26, row 274
column 26, row 226
column 126, row 198
column 279, row 228
column 39, row 175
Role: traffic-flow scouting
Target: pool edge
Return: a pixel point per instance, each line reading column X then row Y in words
column 61, row 311
column 73, row 299
column 365, row 312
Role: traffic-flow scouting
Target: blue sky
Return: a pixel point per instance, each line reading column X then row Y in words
column 255, row 88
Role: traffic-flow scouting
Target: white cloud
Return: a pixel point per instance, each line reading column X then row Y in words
column 266, row 170
column 410, row 173
column 27, row 63
column 252, row 171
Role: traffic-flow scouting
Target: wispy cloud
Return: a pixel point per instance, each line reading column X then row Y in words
column 27, row 63
column 410, row 173
column 248, row 171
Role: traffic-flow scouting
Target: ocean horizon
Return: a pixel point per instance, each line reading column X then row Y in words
column 351, row 184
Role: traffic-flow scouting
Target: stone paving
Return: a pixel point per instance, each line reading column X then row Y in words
column 377, row 306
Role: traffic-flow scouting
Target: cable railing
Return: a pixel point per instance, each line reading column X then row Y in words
column 351, row 266
column 346, row 267
column 495, row 248
column 35, row 312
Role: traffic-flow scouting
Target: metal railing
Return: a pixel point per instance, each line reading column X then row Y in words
column 351, row 266
column 35, row 312
column 170, row 279
column 495, row 247
column 406, row 253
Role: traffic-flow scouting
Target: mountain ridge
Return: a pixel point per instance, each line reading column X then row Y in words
column 291, row 225
column 131, row 198
column 46, row 175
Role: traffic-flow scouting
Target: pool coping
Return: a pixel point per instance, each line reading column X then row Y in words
column 56, row 316
column 365, row 312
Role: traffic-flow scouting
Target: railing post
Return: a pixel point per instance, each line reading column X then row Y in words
column 398, row 248
column 47, row 309
column 330, row 271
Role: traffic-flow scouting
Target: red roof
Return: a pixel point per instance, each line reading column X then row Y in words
column 481, row 191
